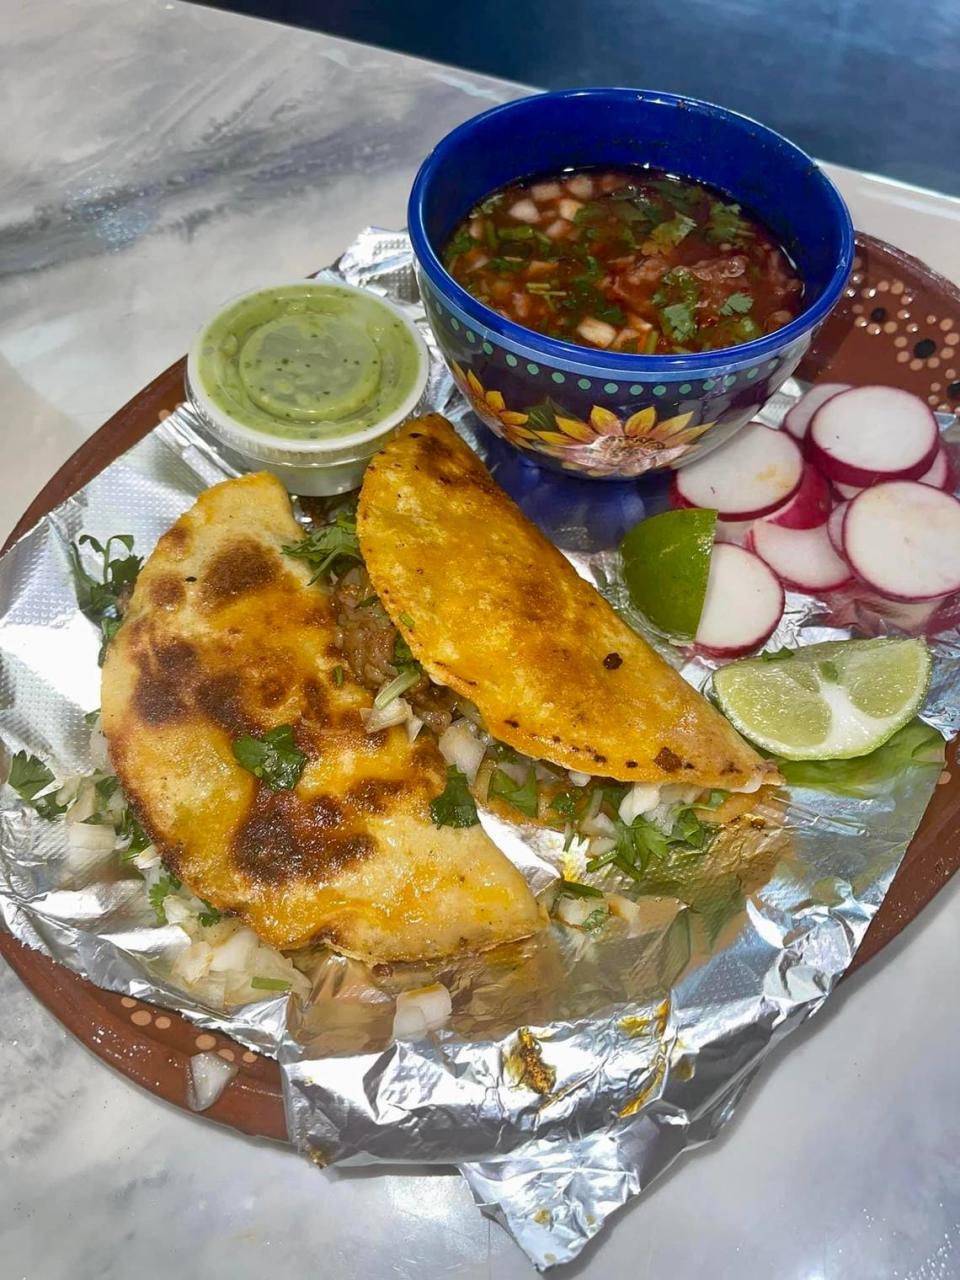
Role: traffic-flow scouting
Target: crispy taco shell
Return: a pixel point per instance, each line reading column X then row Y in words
column 224, row 636
column 494, row 611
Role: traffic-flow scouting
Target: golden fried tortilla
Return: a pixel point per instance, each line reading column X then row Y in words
column 494, row 611
column 224, row 636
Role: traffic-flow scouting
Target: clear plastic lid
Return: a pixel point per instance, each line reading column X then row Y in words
column 339, row 339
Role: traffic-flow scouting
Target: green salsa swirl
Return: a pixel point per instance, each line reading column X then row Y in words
column 307, row 361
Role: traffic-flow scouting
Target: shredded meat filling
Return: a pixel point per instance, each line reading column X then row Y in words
column 368, row 641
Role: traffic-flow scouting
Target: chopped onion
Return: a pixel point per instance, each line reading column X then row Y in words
column 524, row 211
column 599, row 845
column 396, row 712
column 596, row 331
column 568, row 209
column 178, row 910
column 414, row 725
column 209, row 1075
column 99, row 756
column 641, row 798
column 90, row 837
column 84, row 799
column 193, row 963
column 579, row 779
column 421, row 1010
column 593, row 805
column 146, row 859
column 459, row 747
column 581, row 185
column 628, row 911
column 598, row 824
column 393, row 689
column 575, row 911
column 546, row 191
column 236, row 952
column 558, row 229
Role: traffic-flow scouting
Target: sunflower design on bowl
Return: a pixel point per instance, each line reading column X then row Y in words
column 602, row 445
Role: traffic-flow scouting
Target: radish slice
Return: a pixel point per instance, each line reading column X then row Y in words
column 798, row 420
column 752, row 475
column 871, row 434
column 938, row 473
column 801, row 558
column 848, row 491
column 835, row 527
column 903, row 539
column 743, row 604
column 808, row 507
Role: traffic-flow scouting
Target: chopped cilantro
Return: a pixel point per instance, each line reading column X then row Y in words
column 368, row 601
column 515, row 233
column 574, row 889
column 105, row 788
column 103, row 601
column 166, row 885
column 668, row 234
column 28, row 776
column 402, row 655
column 270, row 984
column 596, row 920
column 725, row 224
column 130, row 830
column 564, row 803
column 338, row 676
column 209, row 915
column 325, row 549
column 454, row 807
column 92, row 717
column 406, row 620
column 682, row 195
column 273, row 757
column 678, row 321
column 461, row 243
column 522, row 795
column 738, row 304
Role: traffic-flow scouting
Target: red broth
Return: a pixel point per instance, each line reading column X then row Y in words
column 625, row 260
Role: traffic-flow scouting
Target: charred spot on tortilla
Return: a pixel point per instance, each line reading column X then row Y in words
column 167, row 592
column 612, row 661
column 285, row 839
column 667, row 760
column 165, row 670
column 370, row 795
column 220, row 698
column 241, row 567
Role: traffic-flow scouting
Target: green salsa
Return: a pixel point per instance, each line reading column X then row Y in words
column 307, row 361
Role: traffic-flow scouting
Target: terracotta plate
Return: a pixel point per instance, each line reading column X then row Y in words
column 898, row 323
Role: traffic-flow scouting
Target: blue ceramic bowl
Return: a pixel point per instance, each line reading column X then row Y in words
column 603, row 413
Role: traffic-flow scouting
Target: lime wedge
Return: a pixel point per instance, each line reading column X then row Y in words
column 828, row 701
column 666, row 561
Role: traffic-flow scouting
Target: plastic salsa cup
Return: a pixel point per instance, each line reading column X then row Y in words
column 307, row 379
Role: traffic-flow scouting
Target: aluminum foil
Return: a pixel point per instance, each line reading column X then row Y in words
column 575, row 1068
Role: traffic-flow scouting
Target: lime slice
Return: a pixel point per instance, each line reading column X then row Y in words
column 829, row 701
column 666, row 562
